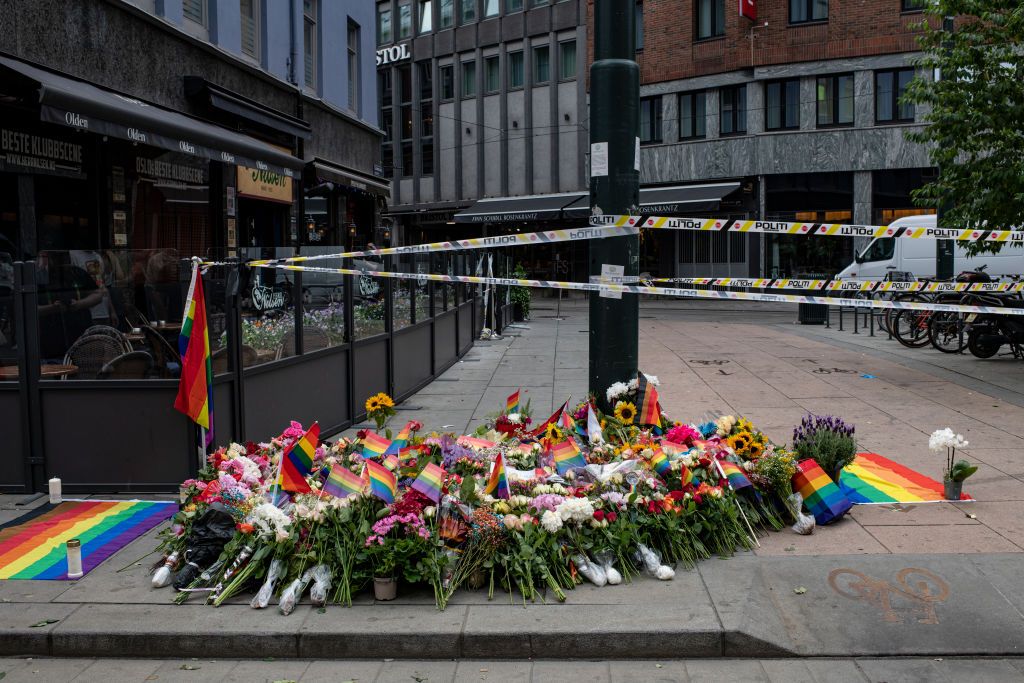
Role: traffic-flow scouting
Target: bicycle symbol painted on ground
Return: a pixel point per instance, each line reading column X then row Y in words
column 914, row 594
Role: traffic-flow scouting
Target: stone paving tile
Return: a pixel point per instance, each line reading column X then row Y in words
column 109, row 670
column 944, row 538
column 470, row 670
column 712, row 671
column 334, row 671
column 559, row 672
column 648, row 672
column 901, row 671
column 839, row 538
column 34, row 669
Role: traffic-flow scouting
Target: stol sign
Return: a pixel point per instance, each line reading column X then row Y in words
column 395, row 53
column 748, row 9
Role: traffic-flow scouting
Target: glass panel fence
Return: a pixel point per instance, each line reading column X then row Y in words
column 323, row 302
column 368, row 297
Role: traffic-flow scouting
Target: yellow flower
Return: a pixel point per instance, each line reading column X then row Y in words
column 385, row 400
column 372, row 404
column 552, row 432
column 739, row 442
column 755, row 450
column 744, row 425
column 625, row 411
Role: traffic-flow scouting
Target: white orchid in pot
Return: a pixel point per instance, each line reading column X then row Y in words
column 956, row 470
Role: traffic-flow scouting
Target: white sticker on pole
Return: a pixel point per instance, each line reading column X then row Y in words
column 598, row 159
column 636, row 155
column 607, row 273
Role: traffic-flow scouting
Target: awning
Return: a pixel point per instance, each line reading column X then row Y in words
column 538, row 207
column 83, row 106
column 347, row 176
column 215, row 97
column 660, row 201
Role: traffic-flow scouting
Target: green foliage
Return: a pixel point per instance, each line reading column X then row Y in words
column 975, row 113
column 521, row 295
column 831, row 450
column 961, row 470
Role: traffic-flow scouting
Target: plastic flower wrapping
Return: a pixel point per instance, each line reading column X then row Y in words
column 525, row 506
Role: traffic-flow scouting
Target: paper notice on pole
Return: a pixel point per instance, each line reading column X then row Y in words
column 598, row 159
column 612, row 275
column 636, row 156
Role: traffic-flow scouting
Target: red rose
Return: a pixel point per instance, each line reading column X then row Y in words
column 611, row 517
column 676, row 495
column 361, row 434
column 698, row 499
column 599, row 515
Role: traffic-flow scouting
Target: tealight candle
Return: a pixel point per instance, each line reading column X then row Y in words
column 55, row 497
column 74, row 559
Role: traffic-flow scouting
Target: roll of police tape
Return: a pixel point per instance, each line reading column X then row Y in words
column 659, row 291
column 813, row 229
column 518, row 239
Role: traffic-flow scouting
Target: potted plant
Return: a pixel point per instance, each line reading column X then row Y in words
column 956, row 470
column 828, row 441
column 520, row 295
column 397, row 543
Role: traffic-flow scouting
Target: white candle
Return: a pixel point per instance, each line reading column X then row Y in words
column 74, row 559
column 55, row 497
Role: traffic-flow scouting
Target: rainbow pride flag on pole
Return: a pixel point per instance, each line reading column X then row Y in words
column 383, row 483
column 402, row 440
column 497, row 483
column 567, row 456
column 195, row 388
column 297, row 461
column 374, row 445
column 343, row 482
column 430, row 481
column 648, row 412
column 737, row 479
column 512, row 403
column 871, row 480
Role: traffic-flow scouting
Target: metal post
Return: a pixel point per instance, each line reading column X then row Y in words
column 871, row 314
column 856, row 320
column 944, row 248
column 614, row 188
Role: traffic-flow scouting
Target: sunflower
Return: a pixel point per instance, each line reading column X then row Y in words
column 373, row 404
column 385, row 400
column 625, row 411
column 552, row 432
column 739, row 442
column 755, row 450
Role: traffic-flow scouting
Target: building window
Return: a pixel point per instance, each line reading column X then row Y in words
column 515, row 69
column 782, row 104
column 426, row 9
column 384, row 24
column 541, row 65
column 710, row 18
column 692, row 115
column 386, row 122
column 469, row 79
column 513, row 6
column 492, row 74
column 447, row 82
column 890, row 87
column 405, row 19
column 426, row 117
column 835, row 100
column 405, row 118
column 732, row 102
column 912, row 5
column 447, row 13
column 567, row 60
column 250, row 17
column 802, row 11
column 353, row 66
column 467, row 11
column 309, row 41
column 194, row 10
column 491, row 8
column 638, row 31
column 650, row 119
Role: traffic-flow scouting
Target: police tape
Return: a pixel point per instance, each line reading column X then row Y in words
column 518, row 239
column 659, row 291
column 858, row 286
column 813, row 229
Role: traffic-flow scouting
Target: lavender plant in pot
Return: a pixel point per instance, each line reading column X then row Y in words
column 827, row 440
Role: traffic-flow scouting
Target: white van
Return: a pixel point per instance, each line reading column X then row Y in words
column 888, row 254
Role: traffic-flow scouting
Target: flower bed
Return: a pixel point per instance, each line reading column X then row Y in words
column 531, row 510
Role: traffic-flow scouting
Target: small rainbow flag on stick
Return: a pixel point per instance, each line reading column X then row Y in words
column 567, row 456
column 648, row 412
column 660, row 462
column 685, row 474
column 195, row 388
column 737, row 479
column 374, row 445
column 497, row 484
column 430, row 481
column 343, row 482
column 391, row 462
column 402, row 440
column 297, row 461
column 512, row 403
column 382, row 481
column 539, row 431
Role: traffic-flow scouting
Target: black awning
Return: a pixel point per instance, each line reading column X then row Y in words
column 215, row 97
column 83, row 106
column 660, row 201
column 342, row 175
column 538, row 207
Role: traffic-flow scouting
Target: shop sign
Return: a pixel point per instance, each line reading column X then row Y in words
column 27, row 152
column 748, row 9
column 266, row 298
column 261, row 183
column 166, row 170
column 368, row 286
column 395, row 53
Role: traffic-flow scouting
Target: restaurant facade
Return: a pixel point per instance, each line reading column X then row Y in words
column 202, row 133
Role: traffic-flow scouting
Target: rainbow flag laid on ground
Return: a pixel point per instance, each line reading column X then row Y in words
column 737, row 479
column 821, row 496
column 33, row 545
column 374, row 445
column 497, row 483
column 383, row 483
column 872, row 479
column 567, row 456
column 297, row 461
column 195, row 388
column 429, row 482
column 512, row 403
column 660, row 462
column 343, row 482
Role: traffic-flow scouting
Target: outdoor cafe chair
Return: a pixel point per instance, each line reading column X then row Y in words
column 166, row 360
column 111, row 332
column 90, row 353
column 132, row 365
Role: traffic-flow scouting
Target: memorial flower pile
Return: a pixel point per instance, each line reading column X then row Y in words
column 531, row 509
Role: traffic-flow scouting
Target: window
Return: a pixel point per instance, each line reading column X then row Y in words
column 490, row 8
column 538, row 3
column 835, row 100
column 638, row 30
column 447, row 82
column 405, row 20
column 567, row 60
column 515, row 69
column 387, row 156
column 447, row 11
column 384, row 24
column 541, row 65
column 650, row 119
column 249, row 11
column 732, row 102
column 802, row 11
column 353, row 66
column 880, row 249
column 467, row 11
column 405, row 118
column 782, row 104
column 309, row 41
column 194, row 10
column 890, row 87
column 513, row 6
column 692, row 115
column 710, row 18
column 469, row 79
column 912, row 5
column 426, row 117
column 492, row 74
column 426, row 10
